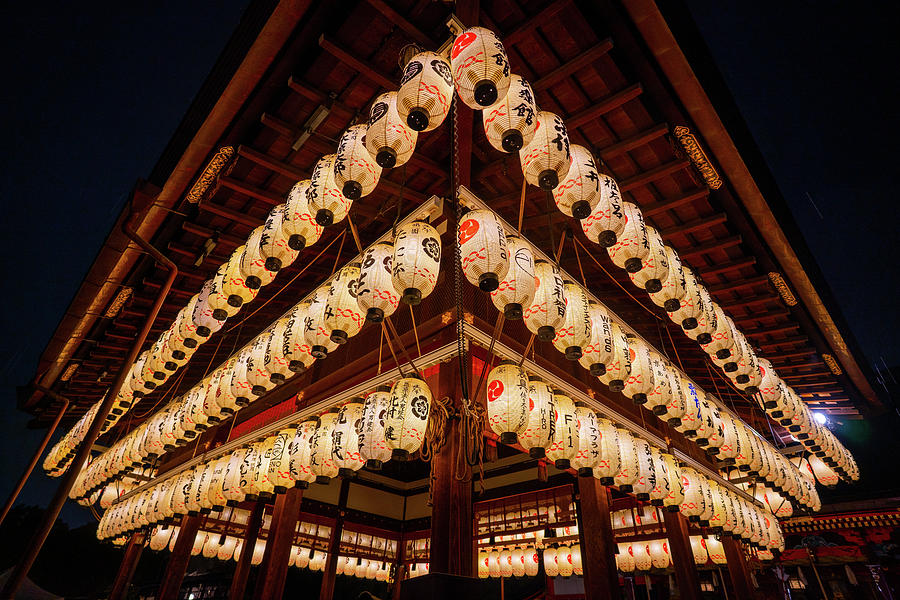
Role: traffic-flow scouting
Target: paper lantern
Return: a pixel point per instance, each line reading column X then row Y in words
column 654, row 267
column 505, row 560
column 258, row 376
column 540, row 422
column 375, row 293
column 640, row 551
column 274, row 242
column 748, row 375
column 672, row 288
column 698, row 549
column 346, row 438
column 426, row 91
column 532, row 561
column 629, row 468
column 590, row 449
column 722, row 342
column 564, row 561
column 706, row 321
column 298, row 222
column 299, row 461
column 416, row 261
column 240, row 382
column 324, row 198
column 692, row 302
column 640, row 381
column 343, row 317
column 253, row 264
column 659, row 554
column 632, row 245
column 610, row 462
column 665, row 382
column 373, row 448
column 509, row 124
column 215, row 301
column 576, row 329
column 578, row 194
column 517, row 288
column 517, row 557
column 663, row 486
column 388, row 138
column 355, row 171
column 694, row 501
column 316, row 332
column 716, row 550
column 565, row 442
column 259, row 550
column 483, row 252
column 279, row 470
column 545, row 159
column 407, row 416
column 216, row 492
column 607, row 219
column 547, row 312
column 480, row 67
column 160, row 538
column 624, row 558
column 494, row 563
column 600, row 347
column 618, row 366
column 507, row 400
column 321, row 447
column 646, row 479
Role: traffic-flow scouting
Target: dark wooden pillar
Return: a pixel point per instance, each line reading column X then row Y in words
column 133, row 552
column 326, row 592
column 179, row 559
column 738, row 569
column 601, row 578
column 682, row 556
column 273, row 570
column 242, row 571
column 451, row 511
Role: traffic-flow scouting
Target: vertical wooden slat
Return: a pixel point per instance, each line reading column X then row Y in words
column 239, row 581
column 682, row 557
column 129, row 563
column 274, row 567
column 598, row 547
column 326, row 592
column 738, row 570
column 179, row 559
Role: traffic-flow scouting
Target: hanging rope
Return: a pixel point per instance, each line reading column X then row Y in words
column 435, row 437
column 522, row 206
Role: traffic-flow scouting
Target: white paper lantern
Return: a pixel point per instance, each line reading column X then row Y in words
column 600, row 348
column 624, row 558
column 494, row 563
column 517, row 556
column 300, row 449
column 416, row 261
column 547, row 312
column 205, row 324
column 373, row 448
column 346, row 438
column 607, row 219
column 716, row 550
column 480, row 67
column 509, row 123
column 659, row 554
column 672, row 289
column 629, row 470
column 590, row 449
column 426, row 91
column 324, row 198
column 632, row 245
column 578, row 194
column 407, row 416
column 355, row 171
column 507, row 401
column 253, row 264
column 540, row 424
column 321, row 447
column 545, row 159
column 654, row 267
column 576, row 329
column 273, row 244
column 279, row 469
column 565, row 434
column 316, row 332
column 343, row 317
column 706, row 321
column 388, row 138
column 375, row 293
column 298, row 223
column 618, row 366
column 517, row 288
column 646, row 479
column 505, row 560
column 610, row 463
column 483, row 252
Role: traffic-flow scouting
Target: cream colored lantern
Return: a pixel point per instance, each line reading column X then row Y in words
column 343, row 317
column 517, row 288
column 576, row 330
column 506, row 567
column 706, row 320
column 694, row 500
column 321, row 448
column 610, row 463
column 373, row 448
column 632, row 245
column 578, row 194
column 273, row 243
column 629, row 469
column 518, row 562
column 298, row 222
column 646, row 479
column 590, row 448
column 691, row 305
column 545, row 159
column 665, row 383
column 624, row 558
column 641, row 553
column 480, row 67
column 325, row 201
column 655, row 266
column 675, row 497
column 640, row 381
column 355, row 171
column 716, row 550
column 672, row 289
column 547, row 312
column 407, row 416
column 299, row 462
column 618, row 366
column 663, row 483
column 659, row 553
column 388, row 138
column 509, row 123
column 345, row 451
column 426, row 91
column 253, row 264
column 540, row 421
column 507, row 401
column 483, row 253
column 279, row 469
column 416, row 261
column 375, row 293
column 698, row 549
column 316, row 332
column 565, row 441
column 600, row 348
column 205, row 318
column 607, row 219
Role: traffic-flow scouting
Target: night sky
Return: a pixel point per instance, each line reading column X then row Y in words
column 93, row 94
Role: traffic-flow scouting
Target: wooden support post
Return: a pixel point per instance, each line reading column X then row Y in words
column 601, row 578
column 738, row 570
column 179, row 559
column 326, row 591
column 133, row 552
column 272, row 572
column 682, row 556
column 239, row 581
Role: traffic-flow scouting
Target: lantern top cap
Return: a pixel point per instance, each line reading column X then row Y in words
column 332, row 410
column 383, row 388
column 414, row 376
column 507, row 362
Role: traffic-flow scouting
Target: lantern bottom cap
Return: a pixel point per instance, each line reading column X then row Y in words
column 639, row 398
column 704, row 338
column 659, row 410
column 411, row 296
column 297, row 366
column 345, row 472
column 259, row 390
column 546, row 333
column 339, row 337
column 656, row 502
column 702, row 442
column 242, row 401
column 673, row 508
column 280, row 489
column 585, row 472
column 744, row 468
column 597, row 369
column 627, row 488
column 227, row 410
column 728, row 461
column 417, row 119
column 297, row 242
column 573, row 353
column 723, row 353
column 231, row 503
column 512, row 140
column 253, row 282
column 202, row 331
column 672, row 304
column 375, row 315
column 273, row 264
column 301, row 485
column 730, row 367
column 509, row 438
column 633, row 264
column 537, row 452
column 488, row 282
column 689, row 323
column 561, row 463
column 616, row 385
column 581, row 209
column 512, row 311
column 277, row 378
column 548, row 179
column 399, row 454
column 324, row 217
column 485, row 93
column 319, row 351
column 252, row 497
column 607, row 481
column 323, row 479
column 608, row 239
column 386, row 158
column 643, row 497
column 219, row 314
column 374, row 464
column 235, row 301
column 674, row 422
column 352, row 190
column 653, row 286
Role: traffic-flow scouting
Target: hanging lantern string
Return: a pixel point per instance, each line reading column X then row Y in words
column 337, row 257
column 163, row 397
column 522, row 206
column 380, row 348
column 391, row 347
column 498, row 329
column 412, row 317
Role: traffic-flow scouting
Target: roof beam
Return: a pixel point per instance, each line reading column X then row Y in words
column 750, row 301
column 579, row 62
column 773, row 330
column 695, row 225
column 727, row 267
column 231, row 215
column 275, row 165
column 360, row 66
column 205, row 232
column 635, row 141
column 772, row 314
column 664, row 205
column 604, row 106
column 400, row 21
column 730, row 286
column 701, row 249
column 522, row 31
column 270, row 198
column 799, row 339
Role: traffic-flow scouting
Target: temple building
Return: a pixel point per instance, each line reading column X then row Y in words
column 479, row 299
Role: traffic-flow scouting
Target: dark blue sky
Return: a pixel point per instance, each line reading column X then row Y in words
column 94, row 92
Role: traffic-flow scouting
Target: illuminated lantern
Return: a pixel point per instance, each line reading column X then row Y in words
column 298, row 223
column 694, row 500
column 589, row 442
column 299, row 461
column 640, row 382
column 375, row 293
column 607, row 219
column 564, row 561
column 426, row 91
column 506, row 567
column 257, row 374
column 215, row 299
column 253, row 264
column 540, row 423
column 388, row 138
column 518, row 562
column 373, row 448
column 654, row 267
column 716, row 550
column 355, row 172
column 205, row 324
column 494, row 563
column 698, row 549
column 216, row 493
column 273, row 244
column 578, row 194
column 317, row 334
column 672, row 289
column 646, row 479
column 641, row 553
column 629, row 469
column 722, row 342
column 663, row 484
column 547, row 312
column 342, row 313
column 610, row 462
column 730, row 440
column 509, row 124
column 618, row 366
column 565, row 435
column 483, row 252
column 532, row 561
column 516, row 289
column 407, row 416
column 507, row 400
column 675, row 496
column 295, row 350
column 275, row 361
column 321, row 446
column 748, row 375
column 600, row 348
column 258, row 551
column 279, row 470
column 691, row 304
column 251, row 478
column 551, row 568
column 624, row 558
column 480, row 67
column 576, row 330
column 545, row 159
column 632, row 245
column 706, row 321
column 659, row 554
column 346, row 438
column 160, row 538
column 240, row 382
column 664, row 384
column 324, row 198
column 416, row 261
column 710, row 422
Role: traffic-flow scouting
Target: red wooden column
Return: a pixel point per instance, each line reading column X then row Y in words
column 179, row 559
column 451, row 511
column 273, row 570
column 326, row 591
column 129, row 563
column 738, row 569
column 682, row 556
column 601, row 578
column 239, row 581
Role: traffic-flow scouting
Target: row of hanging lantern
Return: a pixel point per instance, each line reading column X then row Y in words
column 513, row 122
column 508, row 562
column 369, row 290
